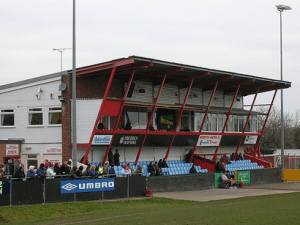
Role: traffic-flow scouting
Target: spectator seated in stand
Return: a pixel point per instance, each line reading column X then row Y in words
column 152, row 128
column 160, row 163
column 226, row 180
column 219, row 168
column 41, row 171
column 151, row 169
column 100, row 126
column 128, row 125
column 164, row 163
column 157, row 169
column 130, row 170
column 20, row 173
column 50, row 171
column 193, row 170
column 240, row 156
column 112, row 172
column 228, row 161
column 125, row 171
column 138, row 171
column 232, row 157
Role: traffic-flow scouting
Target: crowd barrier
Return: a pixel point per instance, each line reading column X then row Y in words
column 49, row 190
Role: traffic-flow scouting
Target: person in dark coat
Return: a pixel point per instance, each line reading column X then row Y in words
column 56, row 169
column 79, row 171
column 117, row 158
column 193, row 170
column 112, row 172
column 110, row 157
column 20, row 173
column 164, row 163
column 65, row 168
column 100, row 126
column 219, row 168
column 128, row 125
column 9, row 169
column 41, row 171
column 160, row 163
column 151, row 169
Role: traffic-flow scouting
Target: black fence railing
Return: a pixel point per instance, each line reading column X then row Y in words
column 48, row 190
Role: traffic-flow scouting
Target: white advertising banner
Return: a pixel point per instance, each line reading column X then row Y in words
column 12, row 149
column 209, row 140
column 102, row 139
column 250, row 140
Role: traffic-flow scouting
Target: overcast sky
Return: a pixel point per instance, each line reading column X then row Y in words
column 234, row 35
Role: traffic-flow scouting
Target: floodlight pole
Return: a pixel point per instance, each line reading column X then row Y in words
column 74, row 133
column 281, row 8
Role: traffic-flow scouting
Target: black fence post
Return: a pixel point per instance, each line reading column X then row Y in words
column 44, row 189
column 128, row 186
column 10, row 191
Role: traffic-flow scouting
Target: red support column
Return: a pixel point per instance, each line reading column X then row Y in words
column 99, row 113
column 180, row 115
column 119, row 115
column 245, row 126
column 204, row 118
column 226, row 121
column 150, row 118
column 263, row 128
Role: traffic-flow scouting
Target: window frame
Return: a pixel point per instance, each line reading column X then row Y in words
column 35, row 112
column 7, row 113
column 54, row 111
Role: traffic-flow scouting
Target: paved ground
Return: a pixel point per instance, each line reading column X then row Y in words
column 218, row 194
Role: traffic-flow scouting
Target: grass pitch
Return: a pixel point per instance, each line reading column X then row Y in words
column 270, row 209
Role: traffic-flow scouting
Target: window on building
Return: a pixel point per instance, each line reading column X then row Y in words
column 187, row 121
column 138, row 117
column 35, row 116
column 32, row 161
column 7, row 117
column 55, row 115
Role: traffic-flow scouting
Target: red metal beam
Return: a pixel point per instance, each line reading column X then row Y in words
column 159, row 73
column 119, row 116
column 245, row 126
column 99, row 113
column 150, row 118
column 264, row 126
column 204, row 118
column 188, row 77
column 226, row 121
column 180, row 115
column 103, row 66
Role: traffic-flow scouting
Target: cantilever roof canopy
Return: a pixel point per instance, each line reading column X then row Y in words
column 148, row 69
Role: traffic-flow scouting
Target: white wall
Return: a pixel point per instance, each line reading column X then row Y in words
column 195, row 96
column 169, row 94
column 141, row 97
column 21, row 98
column 87, row 111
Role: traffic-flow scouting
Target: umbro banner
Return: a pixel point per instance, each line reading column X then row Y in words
column 77, row 186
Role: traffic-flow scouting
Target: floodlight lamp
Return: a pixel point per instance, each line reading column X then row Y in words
column 283, row 7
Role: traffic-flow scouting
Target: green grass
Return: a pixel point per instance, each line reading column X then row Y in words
column 270, row 209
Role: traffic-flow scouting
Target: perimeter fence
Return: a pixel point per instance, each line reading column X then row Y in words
column 22, row 191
